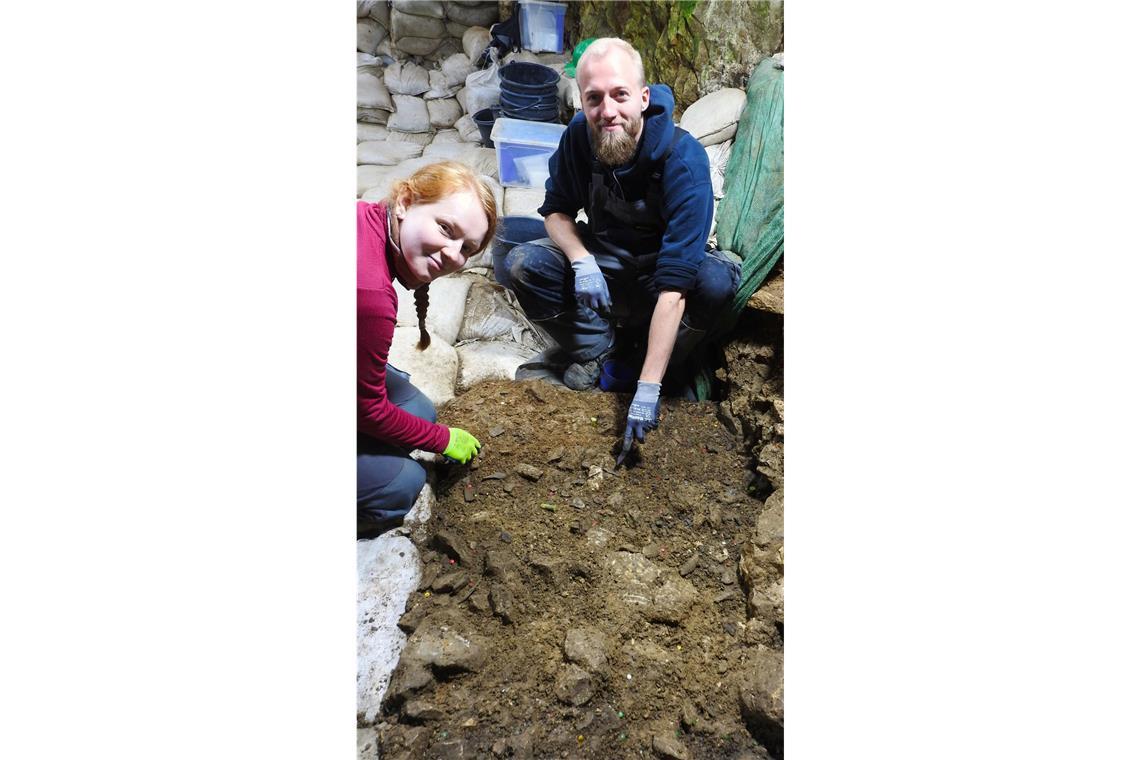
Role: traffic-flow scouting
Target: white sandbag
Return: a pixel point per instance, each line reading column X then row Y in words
column 369, row 34
column 475, row 41
column 455, row 29
column 483, row 88
column 373, row 177
column 556, row 61
column 718, row 162
column 439, row 86
column 524, row 201
column 411, row 115
column 489, row 360
column 379, row 11
column 489, row 314
column 482, row 160
column 447, row 300
column 448, row 47
column 461, row 97
column 365, row 60
column 433, row 370
column 456, row 68
column 483, row 14
column 406, row 78
column 468, row 129
column 385, row 153
column 419, row 138
column 370, row 132
column 405, row 24
column 444, row 136
column 421, row 46
column 363, row 7
column 427, row 8
column 372, row 115
column 713, row 118
column 444, row 112
column 371, row 92
column 386, row 52
column 568, row 93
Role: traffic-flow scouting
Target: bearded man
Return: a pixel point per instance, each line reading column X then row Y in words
column 637, row 283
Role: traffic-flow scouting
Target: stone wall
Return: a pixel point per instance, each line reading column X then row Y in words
column 696, row 46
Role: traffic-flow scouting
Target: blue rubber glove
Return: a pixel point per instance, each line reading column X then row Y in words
column 589, row 285
column 642, row 415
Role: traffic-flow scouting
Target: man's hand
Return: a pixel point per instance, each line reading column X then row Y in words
column 642, row 415
column 590, row 285
column 462, row 446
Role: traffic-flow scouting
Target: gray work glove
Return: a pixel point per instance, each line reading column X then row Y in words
column 590, row 285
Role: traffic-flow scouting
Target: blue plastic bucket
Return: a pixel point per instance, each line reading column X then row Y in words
column 528, row 91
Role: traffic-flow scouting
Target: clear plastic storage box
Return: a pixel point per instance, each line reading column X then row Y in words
column 541, row 25
column 524, row 149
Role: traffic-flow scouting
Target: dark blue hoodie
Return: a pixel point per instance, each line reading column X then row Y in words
column 686, row 185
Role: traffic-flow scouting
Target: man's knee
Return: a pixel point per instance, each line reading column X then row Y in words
column 718, row 281
column 531, row 265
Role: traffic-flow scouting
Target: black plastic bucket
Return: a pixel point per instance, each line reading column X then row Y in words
column 528, row 91
column 513, row 231
column 485, row 120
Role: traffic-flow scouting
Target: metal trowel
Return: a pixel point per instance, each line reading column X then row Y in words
column 626, row 445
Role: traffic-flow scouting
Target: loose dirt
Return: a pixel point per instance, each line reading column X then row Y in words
column 571, row 609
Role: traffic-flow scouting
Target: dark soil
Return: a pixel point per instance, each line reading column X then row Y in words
column 571, row 609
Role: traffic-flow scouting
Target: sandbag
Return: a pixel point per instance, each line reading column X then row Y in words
column 482, row 160
column 369, row 34
column 379, row 12
column 455, row 29
column 419, row 138
column 385, row 153
column 370, row 177
column 483, row 87
column 433, row 370
column 524, row 201
column 448, row 47
column 372, row 115
column 461, row 96
column 426, row 8
column 363, row 7
column 371, row 92
column 456, row 68
column 439, row 87
column 405, row 24
column 468, row 129
column 406, row 78
column 488, row 314
column 718, row 160
column 411, row 115
column 713, row 118
column 496, row 190
column 475, row 41
column 484, row 14
column 445, row 136
column 421, row 46
column 489, row 360
column 444, row 112
column 447, row 300
column 370, row 132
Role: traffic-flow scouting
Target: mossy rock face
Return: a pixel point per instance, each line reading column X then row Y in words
column 694, row 47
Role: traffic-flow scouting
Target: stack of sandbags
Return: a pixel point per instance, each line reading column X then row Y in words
column 434, row 29
column 712, row 120
column 372, row 25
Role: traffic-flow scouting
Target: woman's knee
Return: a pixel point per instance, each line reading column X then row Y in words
column 395, row 498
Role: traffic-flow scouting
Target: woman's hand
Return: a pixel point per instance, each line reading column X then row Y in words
column 462, row 446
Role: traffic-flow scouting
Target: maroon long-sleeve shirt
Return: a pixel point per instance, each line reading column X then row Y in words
column 375, row 325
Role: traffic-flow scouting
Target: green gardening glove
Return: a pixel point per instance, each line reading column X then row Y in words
column 461, row 446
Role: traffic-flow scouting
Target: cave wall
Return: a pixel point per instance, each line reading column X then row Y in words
column 694, row 46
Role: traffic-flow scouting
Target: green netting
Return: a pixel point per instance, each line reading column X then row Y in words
column 750, row 218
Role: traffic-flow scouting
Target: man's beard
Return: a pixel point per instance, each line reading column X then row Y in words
column 616, row 148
